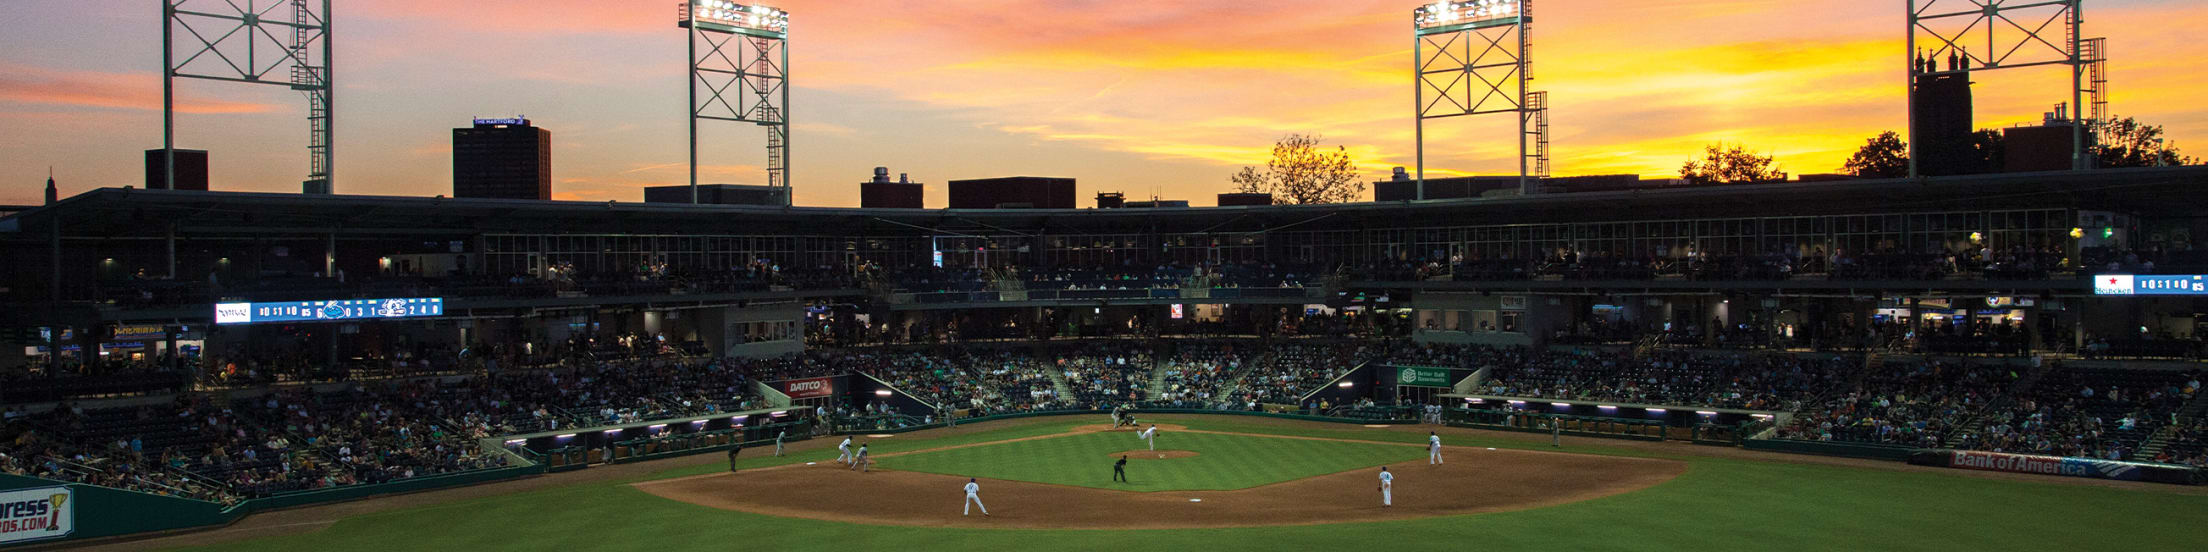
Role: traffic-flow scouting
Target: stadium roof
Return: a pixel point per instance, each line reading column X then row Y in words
column 127, row 212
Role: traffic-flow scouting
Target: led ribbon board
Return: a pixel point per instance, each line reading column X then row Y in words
column 325, row 311
column 2150, row 284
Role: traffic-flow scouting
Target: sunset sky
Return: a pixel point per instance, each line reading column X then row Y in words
column 1146, row 97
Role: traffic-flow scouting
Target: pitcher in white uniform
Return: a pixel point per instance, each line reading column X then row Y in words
column 973, row 499
column 1150, row 436
column 1433, row 448
column 1387, row 488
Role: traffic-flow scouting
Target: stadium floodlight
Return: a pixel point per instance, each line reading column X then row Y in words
column 882, row 393
column 1466, row 14
column 1475, row 57
column 729, row 17
column 1705, row 412
column 741, row 75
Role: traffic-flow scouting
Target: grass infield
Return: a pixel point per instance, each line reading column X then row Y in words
column 1719, row 504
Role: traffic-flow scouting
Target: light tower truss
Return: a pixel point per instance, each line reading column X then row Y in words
column 1474, row 57
column 2010, row 34
column 743, row 75
column 253, row 42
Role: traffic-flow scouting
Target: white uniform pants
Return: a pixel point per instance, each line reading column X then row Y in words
column 844, row 454
column 1433, row 455
column 972, row 501
column 1387, row 495
column 1153, row 440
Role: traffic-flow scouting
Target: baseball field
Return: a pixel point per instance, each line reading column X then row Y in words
column 1241, row 483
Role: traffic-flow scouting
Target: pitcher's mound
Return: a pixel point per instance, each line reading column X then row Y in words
column 1154, row 454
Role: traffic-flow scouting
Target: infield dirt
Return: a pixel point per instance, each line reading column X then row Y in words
column 1475, row 480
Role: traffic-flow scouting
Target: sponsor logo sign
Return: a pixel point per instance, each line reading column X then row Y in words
column 36, row 514
column 2150, row 284
column 809, row 388
column 1422, row 377
column 2048, row 465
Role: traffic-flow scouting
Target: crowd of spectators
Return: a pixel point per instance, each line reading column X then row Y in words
column 1917, row 404
column 2093, row 413
column 1752, row 382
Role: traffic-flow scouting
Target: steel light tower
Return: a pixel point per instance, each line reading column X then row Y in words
column 2009, row 34
column 1474, row 57
column 249, row 41
column 744, row 74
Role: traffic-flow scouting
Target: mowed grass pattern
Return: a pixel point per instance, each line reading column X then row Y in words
column 1223, row 462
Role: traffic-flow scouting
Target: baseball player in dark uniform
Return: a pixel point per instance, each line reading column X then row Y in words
column 1119, row 469
column 732, row 455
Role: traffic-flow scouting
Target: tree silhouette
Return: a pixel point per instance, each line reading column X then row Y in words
column 1301, row 172
column 1884, row 156
column 1735, row 165
column 2128, row 143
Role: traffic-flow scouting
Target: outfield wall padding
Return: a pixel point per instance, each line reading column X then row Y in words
column 106, row 512
column 1831, row 448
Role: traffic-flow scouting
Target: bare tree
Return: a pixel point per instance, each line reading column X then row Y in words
column 1301, row 172
column 1735, row 165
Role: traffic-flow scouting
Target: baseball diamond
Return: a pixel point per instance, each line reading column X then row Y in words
column 1961, row 312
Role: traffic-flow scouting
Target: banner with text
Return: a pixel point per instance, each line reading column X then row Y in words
column 36, row 514
column 812, row 388
column 2058, row 465
column 1422, row 377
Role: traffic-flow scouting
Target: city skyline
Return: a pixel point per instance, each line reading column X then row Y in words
column 1146, row 98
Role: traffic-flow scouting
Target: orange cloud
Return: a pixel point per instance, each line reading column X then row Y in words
column 26, row 84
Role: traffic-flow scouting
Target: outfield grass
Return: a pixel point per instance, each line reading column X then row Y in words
column 1223, row 462
column 1719, row 504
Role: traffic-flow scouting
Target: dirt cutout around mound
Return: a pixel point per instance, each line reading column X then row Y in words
column 1134, row 455
column 1474, row 480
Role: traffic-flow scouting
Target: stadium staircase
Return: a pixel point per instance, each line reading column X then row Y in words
column 2161, row 437
column 1058, row 384
column 1158, row 386
column 1977, row 421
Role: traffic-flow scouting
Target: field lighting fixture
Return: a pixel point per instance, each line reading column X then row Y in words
column 740, row 75
column 1474, row 57
column 252, row 43
column 1466, row 12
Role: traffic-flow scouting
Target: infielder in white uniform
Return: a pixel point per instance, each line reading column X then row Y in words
column 1150, row 436
column 1387, row 488
column 973, row 498
column 1433, row 448
column 778, row 441
column 843, row 451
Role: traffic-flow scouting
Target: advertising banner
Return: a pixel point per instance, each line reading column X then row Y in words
column 2058, row 465
column 812, row 388
column 2150, row 284
column 36, row 514
column 1422, row 377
